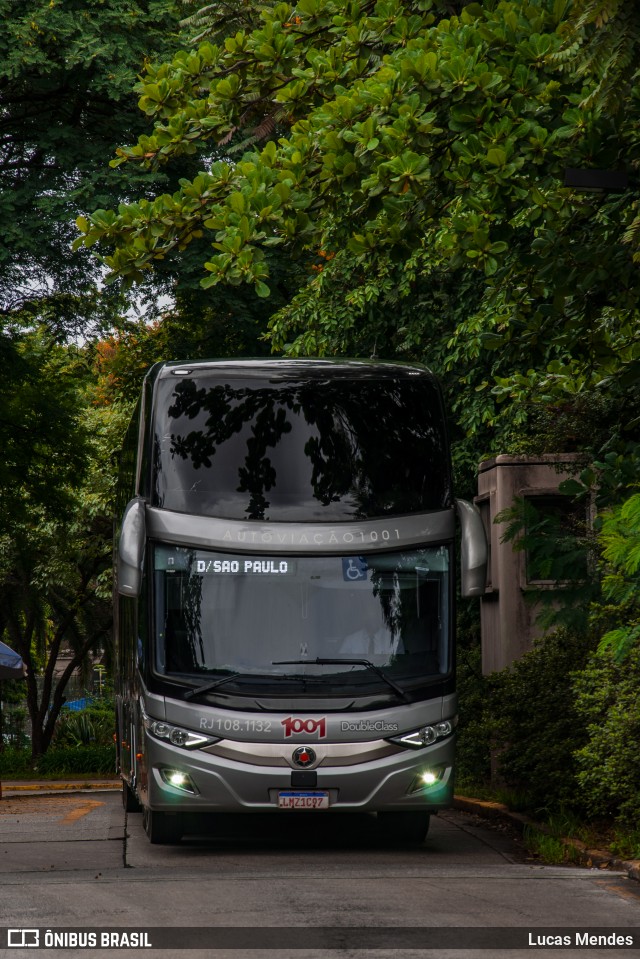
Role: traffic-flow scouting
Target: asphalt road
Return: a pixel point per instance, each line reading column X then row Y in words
column 300, row 886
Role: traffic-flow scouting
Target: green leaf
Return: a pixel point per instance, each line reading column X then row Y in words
column 497, row 156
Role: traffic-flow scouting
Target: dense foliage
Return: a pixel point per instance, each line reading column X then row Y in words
column 537, row 724
column 66, row 71
column 557, row 733
column 415, row 165
column 425, row 161
column 608, row 705
column 55, row 553
column 75, row 761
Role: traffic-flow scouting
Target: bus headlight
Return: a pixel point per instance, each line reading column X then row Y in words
column 186, row 738
column 426, row 735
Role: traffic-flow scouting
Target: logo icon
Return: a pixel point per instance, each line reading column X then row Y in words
column 23, row 938
column 304, row 756
column 295, row 726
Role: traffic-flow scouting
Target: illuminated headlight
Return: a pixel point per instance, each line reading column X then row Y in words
column 185, row 738
column 427, row 735
column 427, row 778
column 178, row 779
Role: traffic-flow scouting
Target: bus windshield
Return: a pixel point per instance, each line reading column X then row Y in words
column 263, row 620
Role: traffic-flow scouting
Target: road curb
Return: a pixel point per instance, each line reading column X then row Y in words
column 42, row 788
column 581, row 853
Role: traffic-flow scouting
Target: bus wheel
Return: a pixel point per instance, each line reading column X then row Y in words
column 410, row 827
column 129, row 798
column 162, row 828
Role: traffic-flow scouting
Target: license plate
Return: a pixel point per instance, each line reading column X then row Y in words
column 303, row 800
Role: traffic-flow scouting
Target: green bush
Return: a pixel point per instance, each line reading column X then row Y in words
column 16, row 763
column 608, row 771
column 473, row 752
column 93, row 726
column 60, row 761
column 537, row 726
column 100, row 760
column 564, row 727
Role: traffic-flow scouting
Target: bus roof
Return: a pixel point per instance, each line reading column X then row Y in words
column 293, row 368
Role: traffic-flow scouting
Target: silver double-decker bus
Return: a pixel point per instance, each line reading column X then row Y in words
column 284, row 594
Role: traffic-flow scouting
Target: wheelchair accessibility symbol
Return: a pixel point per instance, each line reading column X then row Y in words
column 354, row 569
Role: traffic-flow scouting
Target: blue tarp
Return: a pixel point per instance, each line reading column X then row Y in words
column 11, row 665
column 76, row 705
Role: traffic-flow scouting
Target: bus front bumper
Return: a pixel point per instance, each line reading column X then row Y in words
column 401, row 780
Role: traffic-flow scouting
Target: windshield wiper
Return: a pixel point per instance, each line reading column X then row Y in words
column 347, row 662
column 207, row 687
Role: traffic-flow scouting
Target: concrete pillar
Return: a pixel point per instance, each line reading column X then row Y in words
column 508, row 620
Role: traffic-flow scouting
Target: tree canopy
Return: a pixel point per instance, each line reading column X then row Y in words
column 66, row 73
column 423, row 171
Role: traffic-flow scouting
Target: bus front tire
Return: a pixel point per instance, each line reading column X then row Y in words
column 406, row 827
column 162, row 828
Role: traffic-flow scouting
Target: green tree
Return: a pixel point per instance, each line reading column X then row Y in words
column 620, row 541
column 218, row 20
column 55, row 552
column 41, row 451
column 603, row 41
column 426, row 154
column 66, row 72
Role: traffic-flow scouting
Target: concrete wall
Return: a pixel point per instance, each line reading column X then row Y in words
column 508, row 619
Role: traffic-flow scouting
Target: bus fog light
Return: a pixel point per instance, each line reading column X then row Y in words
column 178, row 779
column 428, row 778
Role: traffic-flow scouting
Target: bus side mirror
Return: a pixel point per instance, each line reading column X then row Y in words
column 474, row 550
column 133, row 536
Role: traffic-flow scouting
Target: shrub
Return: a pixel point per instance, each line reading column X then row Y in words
column 537, row 726
column 473, row 752
column 99, row 760
column 65, row 761
column 16, row 763
column 94, row 725
column 607, row 702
